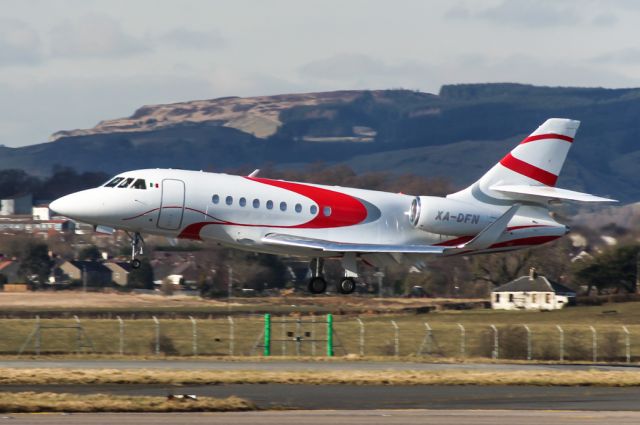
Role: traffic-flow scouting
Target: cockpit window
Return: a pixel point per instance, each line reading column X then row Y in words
column 114, row 182
column 126, row 183
column 139, row 184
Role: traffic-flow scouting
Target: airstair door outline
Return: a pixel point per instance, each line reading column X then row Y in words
column 172, row 204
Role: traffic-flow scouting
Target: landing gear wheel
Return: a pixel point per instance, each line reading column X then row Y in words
column 317, row 285
column 347, row 286
column 135, row 263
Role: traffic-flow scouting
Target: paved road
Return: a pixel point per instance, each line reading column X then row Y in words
column 339, row 397
column 356, row 417
column 292, row 365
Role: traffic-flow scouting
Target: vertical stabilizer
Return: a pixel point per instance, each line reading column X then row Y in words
column 536, row 161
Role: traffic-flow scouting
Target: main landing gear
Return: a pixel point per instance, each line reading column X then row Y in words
column 318, row 284
column 137, row 248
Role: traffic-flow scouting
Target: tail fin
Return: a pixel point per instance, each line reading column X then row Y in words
column 536, row 161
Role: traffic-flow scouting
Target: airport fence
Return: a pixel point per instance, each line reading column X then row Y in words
column 257, row 335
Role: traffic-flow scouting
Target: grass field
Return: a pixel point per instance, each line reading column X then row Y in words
column 343, row 377
column 218, row 337
column 30, row 402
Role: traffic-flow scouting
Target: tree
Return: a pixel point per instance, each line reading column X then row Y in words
column 36, row 264
column 90, row 253
column 613, row 269
column 3, row 280
column 142, row 277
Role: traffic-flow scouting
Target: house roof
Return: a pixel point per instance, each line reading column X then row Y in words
column 90, row 266
column 535, row 284
column 125, row 266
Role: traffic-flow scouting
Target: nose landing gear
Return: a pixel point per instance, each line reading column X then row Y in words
column 137, row 248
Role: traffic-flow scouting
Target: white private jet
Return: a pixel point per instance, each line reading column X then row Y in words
column 507, row 209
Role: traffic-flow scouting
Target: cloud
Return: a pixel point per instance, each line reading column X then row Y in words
column 360, row 71
column 94, row 36
column 628, row 56
column 532, row 14
column 191, row 39
column 19, row 44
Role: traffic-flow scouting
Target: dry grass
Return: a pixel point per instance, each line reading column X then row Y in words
column 51, row 402
column 355, row 377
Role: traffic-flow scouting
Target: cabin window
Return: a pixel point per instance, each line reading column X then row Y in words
column 548, row 298
column 510, row 298
column 283, row 206
column 228, row 200
column 215, row 199
column 242, row 202
column 114, row 182
column 534, row 298
column 326, row 211
column 313, row 210
column 126, row 183
column 298, row 208
column 269, row 204
column 497, row 298
column 256, row 203
column 140, row 184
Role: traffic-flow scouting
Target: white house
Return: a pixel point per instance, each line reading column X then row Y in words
column 533, row 292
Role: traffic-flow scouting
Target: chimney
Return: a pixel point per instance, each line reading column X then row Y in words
column 532, row 273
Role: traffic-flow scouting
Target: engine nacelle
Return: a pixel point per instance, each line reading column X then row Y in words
column 450, row 217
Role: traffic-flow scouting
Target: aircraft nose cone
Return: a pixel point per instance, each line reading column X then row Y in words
column 80, row 205
column 62, row 206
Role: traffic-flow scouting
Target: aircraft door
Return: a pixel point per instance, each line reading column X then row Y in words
column 172, row 204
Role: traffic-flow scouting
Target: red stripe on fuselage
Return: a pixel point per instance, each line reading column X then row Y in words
column 528, row 170
column 345, row 209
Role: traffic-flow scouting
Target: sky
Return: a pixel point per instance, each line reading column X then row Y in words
column 67, row 64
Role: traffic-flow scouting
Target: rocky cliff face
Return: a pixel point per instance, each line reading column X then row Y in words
column 259, row 116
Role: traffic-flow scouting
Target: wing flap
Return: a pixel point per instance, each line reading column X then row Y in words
column 330, row 246
column 526, row 192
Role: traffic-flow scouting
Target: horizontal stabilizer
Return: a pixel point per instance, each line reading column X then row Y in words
column 329, row 246
column 544, row 193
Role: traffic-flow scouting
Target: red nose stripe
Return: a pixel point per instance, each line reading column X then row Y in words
column 547, row 136
column 528, row 170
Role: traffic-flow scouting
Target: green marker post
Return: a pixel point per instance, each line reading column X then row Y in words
column 329, row 335
column 267, row 335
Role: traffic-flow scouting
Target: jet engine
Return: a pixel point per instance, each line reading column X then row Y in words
column 450, row 217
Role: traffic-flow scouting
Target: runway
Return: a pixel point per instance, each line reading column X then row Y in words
column 346, row 417
column 275, row 365
column 350, row 397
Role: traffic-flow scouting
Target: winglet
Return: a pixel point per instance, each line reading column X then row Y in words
column 254, row 173
column 490, row 234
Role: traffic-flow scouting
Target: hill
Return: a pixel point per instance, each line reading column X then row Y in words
column 456, row 134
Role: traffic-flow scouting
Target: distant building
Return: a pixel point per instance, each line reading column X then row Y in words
column 16, row 205
column 13, row 224
column 41, row 212
column 533, row 292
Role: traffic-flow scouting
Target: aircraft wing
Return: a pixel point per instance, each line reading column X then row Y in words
column 330, row 246
column 482, row 240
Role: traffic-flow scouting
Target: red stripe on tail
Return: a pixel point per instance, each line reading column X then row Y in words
column 528, row 170
column 547, row 136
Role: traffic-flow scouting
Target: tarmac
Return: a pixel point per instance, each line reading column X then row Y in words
column 355, row 397
column 346, row 417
